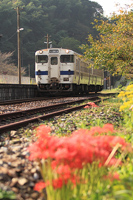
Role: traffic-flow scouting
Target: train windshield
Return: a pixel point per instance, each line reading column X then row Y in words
column 67, row 58
column 54, row 61
column 41, row 59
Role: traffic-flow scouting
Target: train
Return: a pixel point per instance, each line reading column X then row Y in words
column 64, row 71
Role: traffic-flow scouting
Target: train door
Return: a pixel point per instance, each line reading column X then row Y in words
column 54, row 67
column 78, row 62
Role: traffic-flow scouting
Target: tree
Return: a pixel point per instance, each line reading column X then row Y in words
column 70, row 43
column 7, row 67
column 113, row 48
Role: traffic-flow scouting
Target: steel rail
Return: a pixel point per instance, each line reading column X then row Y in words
column 16, row 101
column 25, row 122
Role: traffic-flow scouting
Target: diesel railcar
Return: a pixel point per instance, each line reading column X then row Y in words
column 64, row 71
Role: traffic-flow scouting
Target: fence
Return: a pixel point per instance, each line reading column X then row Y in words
column 8, row 79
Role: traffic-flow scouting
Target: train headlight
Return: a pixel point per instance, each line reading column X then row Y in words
column 40, row 51
column 67, row 51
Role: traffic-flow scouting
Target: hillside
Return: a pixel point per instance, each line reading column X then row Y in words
column 67, row 22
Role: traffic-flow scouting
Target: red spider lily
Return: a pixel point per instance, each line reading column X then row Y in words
column 92, row 104
column 105, row 129
column 57, row 183
column 75, row 180
column 40, row 186
column 70, row 154
column 81, row 131
column 95, row 130
column 81, row 147
column 108, row 128
column 64, row 172
column 43, row 148
column 43, row 130
column 61, row 153
column 112, row 177
column 87, row 106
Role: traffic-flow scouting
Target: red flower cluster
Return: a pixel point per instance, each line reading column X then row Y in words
column 105, row 129
column 90, row 104
column 68, row 154
column 39, row 186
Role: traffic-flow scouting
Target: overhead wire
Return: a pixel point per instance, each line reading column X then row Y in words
column 8, row 38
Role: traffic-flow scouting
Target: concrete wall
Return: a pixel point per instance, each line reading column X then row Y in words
column 16, row 91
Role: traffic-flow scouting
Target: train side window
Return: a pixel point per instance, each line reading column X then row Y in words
column 67, row 58
column 41, row 59
column 54, row 61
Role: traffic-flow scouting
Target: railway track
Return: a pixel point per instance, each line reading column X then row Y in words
column 16, row 101
column 15, row 120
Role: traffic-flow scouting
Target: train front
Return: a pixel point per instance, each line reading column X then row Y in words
column 54, row 70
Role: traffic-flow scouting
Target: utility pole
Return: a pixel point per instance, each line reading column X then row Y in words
column 18, row 40
column 0, row 37
column 47, row 37
column 29, row 70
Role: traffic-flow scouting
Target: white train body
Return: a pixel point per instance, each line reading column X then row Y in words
column 63, row 70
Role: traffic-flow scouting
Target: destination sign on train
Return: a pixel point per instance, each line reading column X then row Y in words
column 54, row 51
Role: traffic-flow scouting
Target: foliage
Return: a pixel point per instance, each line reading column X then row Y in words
column 7, row 195
column 6, row 64
column 127, row 106
column 65, row 20
column 69, row 43
column 112, row 50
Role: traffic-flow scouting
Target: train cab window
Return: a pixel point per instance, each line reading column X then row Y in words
column 41, row 59
column 67, row 58
column 54, row 61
